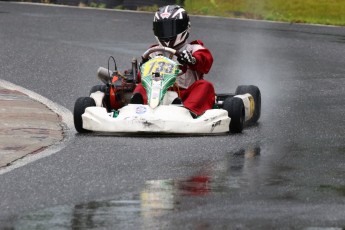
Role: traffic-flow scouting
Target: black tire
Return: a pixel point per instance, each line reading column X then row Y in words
column 255, row 92
column 79, row 108
column 97, row 88
column 221, row 97
column 235, row 108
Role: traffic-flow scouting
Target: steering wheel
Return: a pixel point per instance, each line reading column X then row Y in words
column 163, row 49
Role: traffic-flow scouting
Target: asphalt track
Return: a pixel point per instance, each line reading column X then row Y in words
column 285, row 173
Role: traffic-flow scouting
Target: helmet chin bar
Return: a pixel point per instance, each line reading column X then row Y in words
column 176, row 43
column 164, row 43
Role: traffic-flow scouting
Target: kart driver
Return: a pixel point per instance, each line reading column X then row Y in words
column 171, row 27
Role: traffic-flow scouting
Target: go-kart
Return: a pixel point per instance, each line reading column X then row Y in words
column 108, row 108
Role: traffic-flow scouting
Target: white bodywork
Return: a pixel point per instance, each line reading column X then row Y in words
column 98, row 98
column 135, row 118
column 163, row 119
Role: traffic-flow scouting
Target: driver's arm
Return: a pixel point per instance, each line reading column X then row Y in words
column 204, row 60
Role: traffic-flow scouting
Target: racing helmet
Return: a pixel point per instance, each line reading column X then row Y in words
column 171, row 26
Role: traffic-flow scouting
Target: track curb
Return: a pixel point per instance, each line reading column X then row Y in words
column 29, row 125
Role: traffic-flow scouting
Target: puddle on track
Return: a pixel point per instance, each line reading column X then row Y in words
column 157, row 198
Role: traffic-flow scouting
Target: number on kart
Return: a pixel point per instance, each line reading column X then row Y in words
column 160, row 66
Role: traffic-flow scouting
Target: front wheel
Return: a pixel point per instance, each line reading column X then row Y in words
column 255, row 92
column 235, row 108
column 79, row 109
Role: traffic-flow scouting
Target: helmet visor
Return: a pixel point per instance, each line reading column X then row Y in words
column 169, row 28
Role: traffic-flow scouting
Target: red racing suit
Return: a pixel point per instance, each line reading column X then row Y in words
column 197, row 94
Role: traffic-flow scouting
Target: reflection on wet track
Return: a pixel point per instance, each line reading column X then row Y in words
column 157, row 198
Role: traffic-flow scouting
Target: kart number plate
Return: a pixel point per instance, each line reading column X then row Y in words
column 160, row 65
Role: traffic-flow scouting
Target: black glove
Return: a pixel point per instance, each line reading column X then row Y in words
column 186, row 57
column 143, row 60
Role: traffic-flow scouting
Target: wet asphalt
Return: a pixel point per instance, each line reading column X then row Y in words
column 286, row 172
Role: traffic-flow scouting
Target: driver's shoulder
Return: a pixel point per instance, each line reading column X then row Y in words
column 195, row 45
column 197, row 42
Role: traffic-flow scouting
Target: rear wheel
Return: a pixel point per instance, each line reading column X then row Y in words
column 97, row 88
column 255, row 92
column 235, row 108
column 104, row 89
column 221, row 97
column 79, row 108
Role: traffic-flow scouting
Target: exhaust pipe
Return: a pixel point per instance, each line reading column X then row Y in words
column 105, row 75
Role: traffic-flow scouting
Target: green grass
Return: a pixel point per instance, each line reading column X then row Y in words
column 329, row 12
column 96, row 5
